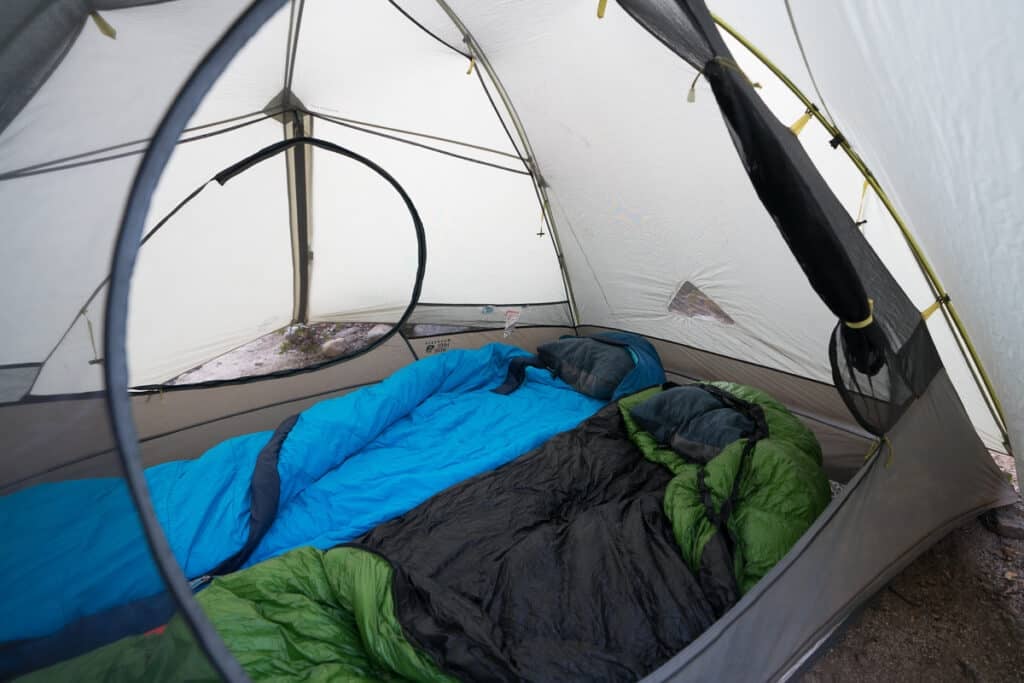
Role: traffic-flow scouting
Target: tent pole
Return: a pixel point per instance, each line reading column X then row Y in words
column 950, row 314
column 298, row 171
column 531, row 160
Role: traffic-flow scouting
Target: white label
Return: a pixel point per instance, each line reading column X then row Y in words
column 511, row 318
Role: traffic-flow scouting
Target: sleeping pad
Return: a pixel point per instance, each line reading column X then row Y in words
column 563, row 564
column 327, row 475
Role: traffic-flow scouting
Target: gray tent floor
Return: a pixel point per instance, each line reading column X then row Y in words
column 955, row 614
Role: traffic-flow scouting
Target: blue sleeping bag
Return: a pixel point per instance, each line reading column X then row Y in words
column 324, row 477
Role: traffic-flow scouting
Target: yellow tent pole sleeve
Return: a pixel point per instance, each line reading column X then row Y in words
column 102, row 24
column 953, row 318
column 799, row 124
column 602, row 5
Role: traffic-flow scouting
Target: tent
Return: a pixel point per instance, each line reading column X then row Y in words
column 814, row 198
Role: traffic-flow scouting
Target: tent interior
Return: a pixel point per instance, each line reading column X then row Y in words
column 182, row 179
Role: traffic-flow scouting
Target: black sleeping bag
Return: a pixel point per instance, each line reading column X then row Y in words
column 559, row 565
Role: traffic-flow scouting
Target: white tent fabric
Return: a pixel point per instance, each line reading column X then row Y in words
column 769, row 22
column 928, row 129
column 718, row 239
column 60, row 224
column 950, row 116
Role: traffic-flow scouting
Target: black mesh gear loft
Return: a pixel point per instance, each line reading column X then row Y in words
column 881, row 354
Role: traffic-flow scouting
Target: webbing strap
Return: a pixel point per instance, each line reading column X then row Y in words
column 103, row 25
column 861, row 324
column 926, row 313
column 863, row 201
column 799, row 124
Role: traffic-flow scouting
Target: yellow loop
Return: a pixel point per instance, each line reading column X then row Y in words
column 863, row 200
column 876, row 447
column 602, row 5
column 861, row 324
column 926, row 313
column 102, row 24
column 799, row 124
column 472, row 63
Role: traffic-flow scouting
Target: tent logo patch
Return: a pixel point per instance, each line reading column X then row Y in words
column 438, row 346
column 693, row 303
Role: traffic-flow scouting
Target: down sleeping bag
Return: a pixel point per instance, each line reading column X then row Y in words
column 565, row 564
column 559, row 565
column 747, row 478
column 325, row 476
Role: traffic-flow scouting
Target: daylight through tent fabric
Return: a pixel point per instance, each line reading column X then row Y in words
column 509, row 173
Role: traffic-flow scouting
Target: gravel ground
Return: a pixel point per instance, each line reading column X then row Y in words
column 955, row 614
column 267, row 354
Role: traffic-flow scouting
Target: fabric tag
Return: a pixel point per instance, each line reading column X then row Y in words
column 511, row 318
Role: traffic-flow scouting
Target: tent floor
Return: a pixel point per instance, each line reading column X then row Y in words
column 955, row 614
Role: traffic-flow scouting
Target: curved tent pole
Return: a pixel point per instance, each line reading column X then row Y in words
column 942, row 297
column 531, row 160
column 115, row 368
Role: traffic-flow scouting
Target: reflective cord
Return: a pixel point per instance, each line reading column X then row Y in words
column 103, row 25
column 602, row 5
column 92, row 339
column 861, row 324
column 941, row 301
column 799, row 124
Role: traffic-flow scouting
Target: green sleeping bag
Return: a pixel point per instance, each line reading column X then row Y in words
column 307, row 615
column 782, row 489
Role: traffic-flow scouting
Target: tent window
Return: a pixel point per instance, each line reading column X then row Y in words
column 693, row 303
column 290, row 348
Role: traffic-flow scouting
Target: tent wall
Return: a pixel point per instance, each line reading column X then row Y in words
column 767, row 26
column 844, row 443
column 950, row 116
column 416, row 112
column 933, row 475
column 52, row 440
column 60, row 224
column 629, row 163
